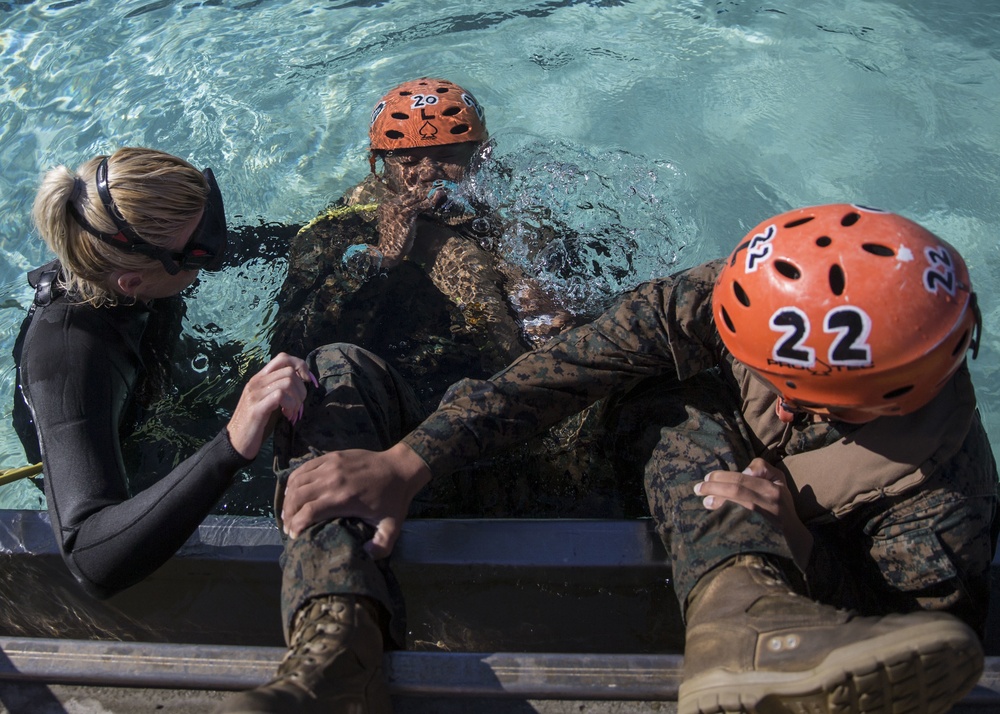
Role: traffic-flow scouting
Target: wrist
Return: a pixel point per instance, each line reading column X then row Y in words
column 409, row 467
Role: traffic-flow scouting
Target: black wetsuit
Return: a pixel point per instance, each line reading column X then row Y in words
column 78, row 370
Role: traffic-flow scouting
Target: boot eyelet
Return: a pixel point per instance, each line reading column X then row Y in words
column 780, row 644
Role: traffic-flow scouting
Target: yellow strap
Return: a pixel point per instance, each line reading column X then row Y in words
column 20, row 472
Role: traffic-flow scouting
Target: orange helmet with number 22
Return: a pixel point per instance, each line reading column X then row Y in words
column 847, row 307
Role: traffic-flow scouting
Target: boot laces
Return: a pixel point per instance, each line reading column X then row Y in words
column 316, row 629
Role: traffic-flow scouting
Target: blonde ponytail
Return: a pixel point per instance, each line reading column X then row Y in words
column 157, row 193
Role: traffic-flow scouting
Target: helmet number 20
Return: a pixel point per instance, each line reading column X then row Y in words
column 423, row 100
column 850, row 325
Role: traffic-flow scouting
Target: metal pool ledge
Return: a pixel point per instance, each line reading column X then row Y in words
column 424, row 674
column 534, row 676
column 532, row 610
column 471, row 586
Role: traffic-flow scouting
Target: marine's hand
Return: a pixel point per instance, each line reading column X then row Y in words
column 280, row 385
column 760, row 487
column 397, row 222
column 543, row 327
column 375, row 486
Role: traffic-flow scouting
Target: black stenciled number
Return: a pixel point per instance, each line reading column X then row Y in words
column 424, row 100
column 760, row 248
column 850, row 347
column 852, row 326
column 794, row 325
column 933, row 279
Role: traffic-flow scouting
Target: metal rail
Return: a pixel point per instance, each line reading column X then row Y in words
column 441, row 674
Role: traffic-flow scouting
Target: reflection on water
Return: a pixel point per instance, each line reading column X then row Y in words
column 38, row 605
column 655, row 133
column 591, row 222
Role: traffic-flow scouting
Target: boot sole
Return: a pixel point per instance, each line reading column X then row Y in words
column 922, row 669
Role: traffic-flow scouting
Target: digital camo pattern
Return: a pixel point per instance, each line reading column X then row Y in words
column 361, row 403
column 640, row 357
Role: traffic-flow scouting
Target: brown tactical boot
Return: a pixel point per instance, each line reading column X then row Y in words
column 753, row 645
column 333, row 664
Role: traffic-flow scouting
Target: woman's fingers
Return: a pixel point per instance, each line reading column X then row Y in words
column 279, row 386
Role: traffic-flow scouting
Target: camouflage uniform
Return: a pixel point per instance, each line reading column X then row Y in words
column 903, row 509
column 457, row 311
column 361, row 403
column 430, row 325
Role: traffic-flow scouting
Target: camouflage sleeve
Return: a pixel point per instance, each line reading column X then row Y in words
column 317, row 283
column 662, row 328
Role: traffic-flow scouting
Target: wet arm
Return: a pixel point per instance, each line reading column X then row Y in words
column 662, row 328
column 109, row 541
column 540, row 314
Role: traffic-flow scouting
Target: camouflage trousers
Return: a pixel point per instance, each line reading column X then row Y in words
column 361, row 403
column 929, row 548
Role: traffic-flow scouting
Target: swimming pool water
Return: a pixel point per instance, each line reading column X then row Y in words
column 664, row 130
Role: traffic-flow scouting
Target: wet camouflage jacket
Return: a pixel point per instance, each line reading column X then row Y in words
column 664, row 329
column 435, row 321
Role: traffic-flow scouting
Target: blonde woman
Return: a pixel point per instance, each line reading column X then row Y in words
column 128, row 230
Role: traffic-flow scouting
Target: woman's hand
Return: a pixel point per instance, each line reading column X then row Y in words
column 760, row 487
column 279, row 386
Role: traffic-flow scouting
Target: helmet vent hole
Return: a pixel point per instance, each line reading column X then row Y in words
column 962, row 344
column 393, row 134
column 728, row 321
column 850, row 219
column 896, row 393
column 451, row 111
column 798, row 222
column 400, row 115
column 791, row 385
column 824, row 241
column 837, row 279
column 741, row 294
column 460, row 129
column 405, row 93
column 883, row 251
column 787, row 269
column 442, row 90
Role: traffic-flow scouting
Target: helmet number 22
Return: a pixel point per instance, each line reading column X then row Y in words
column 850, row 325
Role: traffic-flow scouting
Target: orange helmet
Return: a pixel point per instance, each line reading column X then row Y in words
column 847, row 307
column 426, row 112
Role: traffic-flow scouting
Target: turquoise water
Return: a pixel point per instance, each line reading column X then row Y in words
column 664, row 130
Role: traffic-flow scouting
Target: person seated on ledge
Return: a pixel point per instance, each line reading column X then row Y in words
column 130, row 232
column 819, row 473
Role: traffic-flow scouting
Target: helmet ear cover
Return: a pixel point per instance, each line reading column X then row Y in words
column 426, row 112
column 847, row 306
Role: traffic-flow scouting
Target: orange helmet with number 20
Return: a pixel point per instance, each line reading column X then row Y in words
column 426, row 112
column 847, row 307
